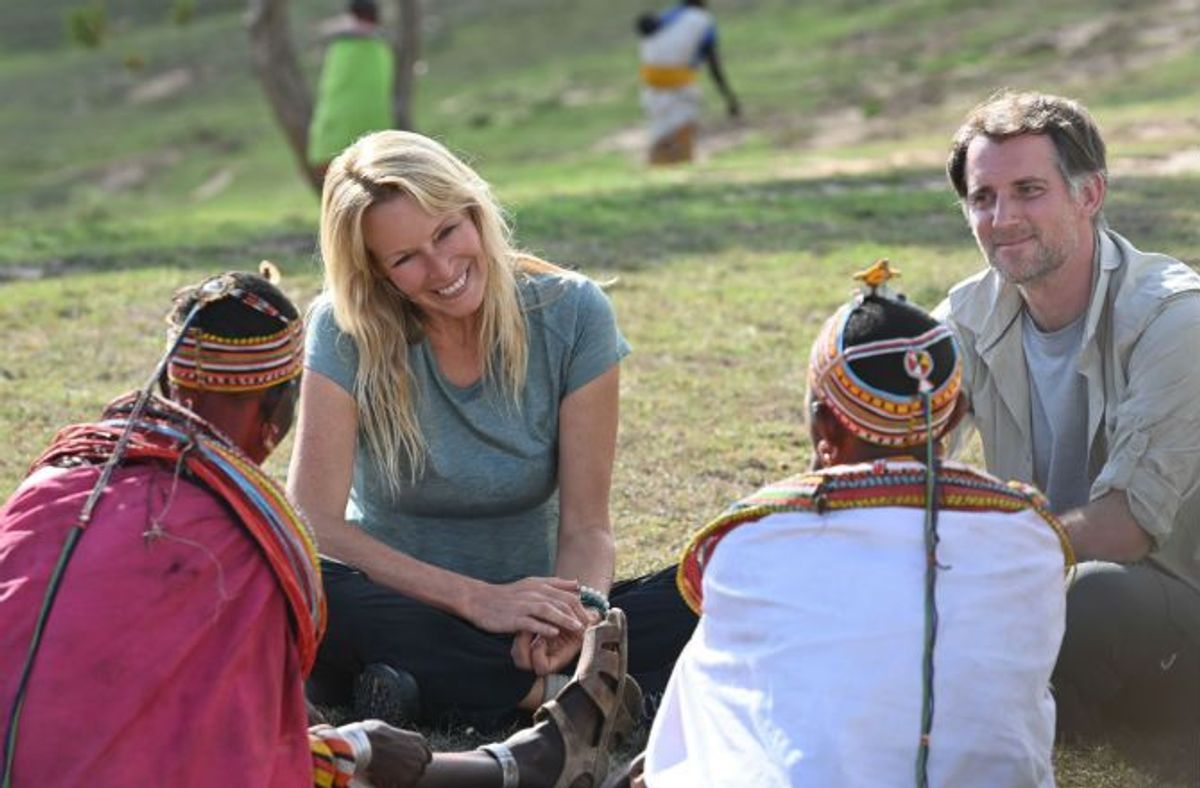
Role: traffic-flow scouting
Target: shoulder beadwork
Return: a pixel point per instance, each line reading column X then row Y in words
column 883, row 483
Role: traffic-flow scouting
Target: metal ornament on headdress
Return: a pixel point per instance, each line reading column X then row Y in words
column 918, row 364
column 875, row 279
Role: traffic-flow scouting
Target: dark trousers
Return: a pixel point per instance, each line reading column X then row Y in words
column 1131, row 652
column 466, row 675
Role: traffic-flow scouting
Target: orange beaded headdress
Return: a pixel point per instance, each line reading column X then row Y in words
column 877, row 389
column 213, row 362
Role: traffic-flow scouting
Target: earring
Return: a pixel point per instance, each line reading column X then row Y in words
column 270, row 436
column 826, row 452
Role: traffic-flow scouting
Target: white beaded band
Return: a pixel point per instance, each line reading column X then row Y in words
column 356, row 734
column 508, row 764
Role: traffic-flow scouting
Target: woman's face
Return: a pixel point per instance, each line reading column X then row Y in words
column 437, row 262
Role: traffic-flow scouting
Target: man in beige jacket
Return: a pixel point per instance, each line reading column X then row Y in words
column 1080, row 362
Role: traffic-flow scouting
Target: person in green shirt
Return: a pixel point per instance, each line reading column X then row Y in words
column 354, row 94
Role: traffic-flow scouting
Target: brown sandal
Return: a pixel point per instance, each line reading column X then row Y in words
column 601, row 674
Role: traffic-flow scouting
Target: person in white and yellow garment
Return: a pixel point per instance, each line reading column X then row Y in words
column 674, row 44
column 888, row 618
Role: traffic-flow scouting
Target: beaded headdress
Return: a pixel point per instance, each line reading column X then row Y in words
column 212, row 362
column 873, row 413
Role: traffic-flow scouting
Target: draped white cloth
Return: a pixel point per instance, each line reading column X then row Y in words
column 805, row 668
column 676, row 43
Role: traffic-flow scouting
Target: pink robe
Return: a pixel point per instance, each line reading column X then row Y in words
column 168, row 659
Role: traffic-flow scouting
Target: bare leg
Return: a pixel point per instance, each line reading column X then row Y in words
column 537, row 750
column 464, row 769
column 676, row 147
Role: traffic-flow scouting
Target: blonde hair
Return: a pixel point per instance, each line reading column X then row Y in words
column 381, row 167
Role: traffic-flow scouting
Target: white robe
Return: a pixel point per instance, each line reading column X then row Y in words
column 677, row 43
column 806, row 666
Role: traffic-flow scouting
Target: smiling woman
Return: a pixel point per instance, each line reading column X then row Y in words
column 455, row 451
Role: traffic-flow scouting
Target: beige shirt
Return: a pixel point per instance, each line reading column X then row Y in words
column 1141, row 359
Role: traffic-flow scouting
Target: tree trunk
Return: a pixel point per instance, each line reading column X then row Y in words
column 406, row 43
column 278, row 68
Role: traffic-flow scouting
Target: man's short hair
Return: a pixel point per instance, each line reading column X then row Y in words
column 1007, row 113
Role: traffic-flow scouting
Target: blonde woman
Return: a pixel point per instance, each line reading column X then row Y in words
column 455, row 449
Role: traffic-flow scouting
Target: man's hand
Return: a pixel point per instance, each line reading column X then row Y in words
column 544, row 655
column 398, row 757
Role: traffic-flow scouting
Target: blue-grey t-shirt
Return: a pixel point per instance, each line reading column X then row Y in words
column 1058, row 412
column 485, row 504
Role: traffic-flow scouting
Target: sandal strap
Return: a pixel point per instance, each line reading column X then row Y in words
column 601, row 675
column 509, row 772
column 574, row 761
column 601, row 693
column 598, row 657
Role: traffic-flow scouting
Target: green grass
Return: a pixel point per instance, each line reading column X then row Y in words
column 723, row 271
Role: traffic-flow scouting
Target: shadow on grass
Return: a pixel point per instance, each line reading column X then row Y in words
column 647, row 227
column 243, row 255
column 1125, row 759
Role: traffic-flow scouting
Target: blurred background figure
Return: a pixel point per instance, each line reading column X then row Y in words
column 673, row 46
column 354, row 95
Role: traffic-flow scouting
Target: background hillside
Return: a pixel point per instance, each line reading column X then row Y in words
column 132, row 169
column 161, row 137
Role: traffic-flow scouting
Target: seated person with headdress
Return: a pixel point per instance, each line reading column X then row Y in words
column 161, row 599
column 884, row 616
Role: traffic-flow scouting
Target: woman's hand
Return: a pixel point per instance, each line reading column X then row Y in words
column 544, row 655
column 546, row 606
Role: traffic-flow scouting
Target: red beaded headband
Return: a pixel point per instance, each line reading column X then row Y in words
column 215, row 363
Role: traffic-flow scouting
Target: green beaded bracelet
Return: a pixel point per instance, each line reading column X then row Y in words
column 592, row 598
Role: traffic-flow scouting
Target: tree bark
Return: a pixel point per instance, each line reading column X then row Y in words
column 406, row 43
column 274, row 59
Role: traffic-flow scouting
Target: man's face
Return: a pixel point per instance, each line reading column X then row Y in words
column 1021, row 210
